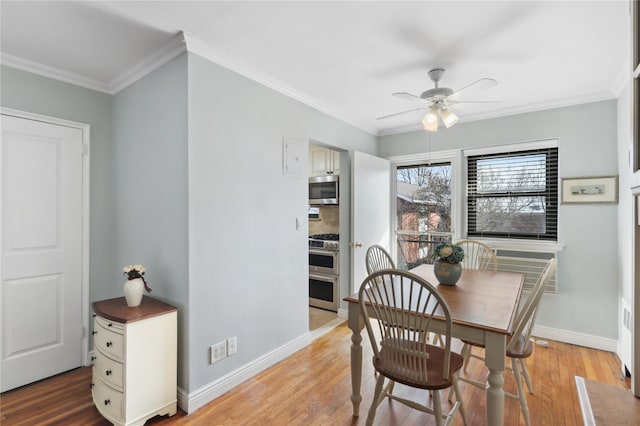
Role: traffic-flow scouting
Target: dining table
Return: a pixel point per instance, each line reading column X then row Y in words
column 483, row 306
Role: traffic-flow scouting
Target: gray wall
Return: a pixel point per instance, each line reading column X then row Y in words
column 186, row 179
column 247, row 262
column 588, row 266
column 32, row 93
column 150, row 189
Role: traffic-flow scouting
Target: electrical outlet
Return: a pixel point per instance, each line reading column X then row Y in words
column 218, row 351
column 232, row 345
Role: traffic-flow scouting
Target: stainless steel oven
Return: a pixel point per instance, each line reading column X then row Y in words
column 324, row 271
column 323, row 291
column 323, row 261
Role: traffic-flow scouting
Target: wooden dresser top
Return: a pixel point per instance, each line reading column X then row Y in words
column 117, row 309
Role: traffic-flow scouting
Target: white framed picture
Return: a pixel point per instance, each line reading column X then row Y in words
column 587, row 190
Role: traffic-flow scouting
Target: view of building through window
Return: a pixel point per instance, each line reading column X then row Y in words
column 423, row 211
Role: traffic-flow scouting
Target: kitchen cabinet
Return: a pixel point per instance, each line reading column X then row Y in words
column 135, row 360
column 323, row 161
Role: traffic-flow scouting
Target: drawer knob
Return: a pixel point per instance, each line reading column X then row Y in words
column 107, row 401
column 94, row 332
column 109, row 344
column 108, row 372
column 110, row 325
column 93, row 358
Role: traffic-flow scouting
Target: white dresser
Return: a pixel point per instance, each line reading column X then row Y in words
column 135, row 360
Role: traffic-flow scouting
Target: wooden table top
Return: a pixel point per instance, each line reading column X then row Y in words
column 486, row 300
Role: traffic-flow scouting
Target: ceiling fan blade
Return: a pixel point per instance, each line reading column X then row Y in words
column 483, row 83
column 408, row 96
column 399, row 113
column 474, row 102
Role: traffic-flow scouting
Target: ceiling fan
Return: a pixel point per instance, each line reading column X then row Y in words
column 437, row 101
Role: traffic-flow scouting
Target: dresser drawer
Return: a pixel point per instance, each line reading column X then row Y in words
column 109, row 337
column 109, row 370
column 108, row 401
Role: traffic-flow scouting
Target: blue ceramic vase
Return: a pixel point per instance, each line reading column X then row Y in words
column 447, row 273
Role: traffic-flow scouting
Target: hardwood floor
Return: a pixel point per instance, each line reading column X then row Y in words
column 313, row 387
column 319, row 318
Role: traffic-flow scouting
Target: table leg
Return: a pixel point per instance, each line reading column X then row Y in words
column 355, row 325
column 495, row 350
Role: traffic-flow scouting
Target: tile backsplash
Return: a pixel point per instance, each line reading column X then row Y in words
column 329, row 222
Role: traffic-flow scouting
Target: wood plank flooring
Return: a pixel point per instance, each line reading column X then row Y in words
column 313, row 387
column 320, row 317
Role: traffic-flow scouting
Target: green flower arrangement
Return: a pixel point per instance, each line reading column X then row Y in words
column 452, row 253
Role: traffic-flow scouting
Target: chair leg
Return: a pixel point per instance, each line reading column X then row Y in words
column 450, row 394
column 389, row 388
column 437, row 407
column 466, row 354
column 376, row 400
column 525, row 373
column 456, row 389
column 524, row 408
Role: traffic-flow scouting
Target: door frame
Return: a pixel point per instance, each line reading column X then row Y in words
column 86, row 139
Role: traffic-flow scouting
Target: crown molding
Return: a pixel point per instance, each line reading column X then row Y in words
column 182, row 42
column 147, row 65
column 53, row 73
column 196, row 46
column 624, row 78
column 150, row 63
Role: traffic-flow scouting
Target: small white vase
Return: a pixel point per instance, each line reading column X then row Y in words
column 133, row 291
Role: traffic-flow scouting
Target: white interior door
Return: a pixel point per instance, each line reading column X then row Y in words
column 370, row 210
column 41, row 250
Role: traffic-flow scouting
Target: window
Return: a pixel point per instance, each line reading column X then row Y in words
column 513, row 195
column 423, row 206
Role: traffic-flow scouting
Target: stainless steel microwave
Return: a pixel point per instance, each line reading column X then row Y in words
column 324, row 190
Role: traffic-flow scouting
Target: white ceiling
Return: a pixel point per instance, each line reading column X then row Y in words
column 344, row 58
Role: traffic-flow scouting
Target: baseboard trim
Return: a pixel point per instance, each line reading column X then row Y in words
column 575, row 338
column 343, row 313
column 190, row 402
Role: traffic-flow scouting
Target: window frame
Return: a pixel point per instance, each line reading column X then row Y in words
column 519, row 149
column 449, row 156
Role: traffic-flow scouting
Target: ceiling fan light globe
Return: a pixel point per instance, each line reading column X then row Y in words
column 429, row 124
column 431, row 116
column 430, row 127
column 430, row 120
column 448, row 118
